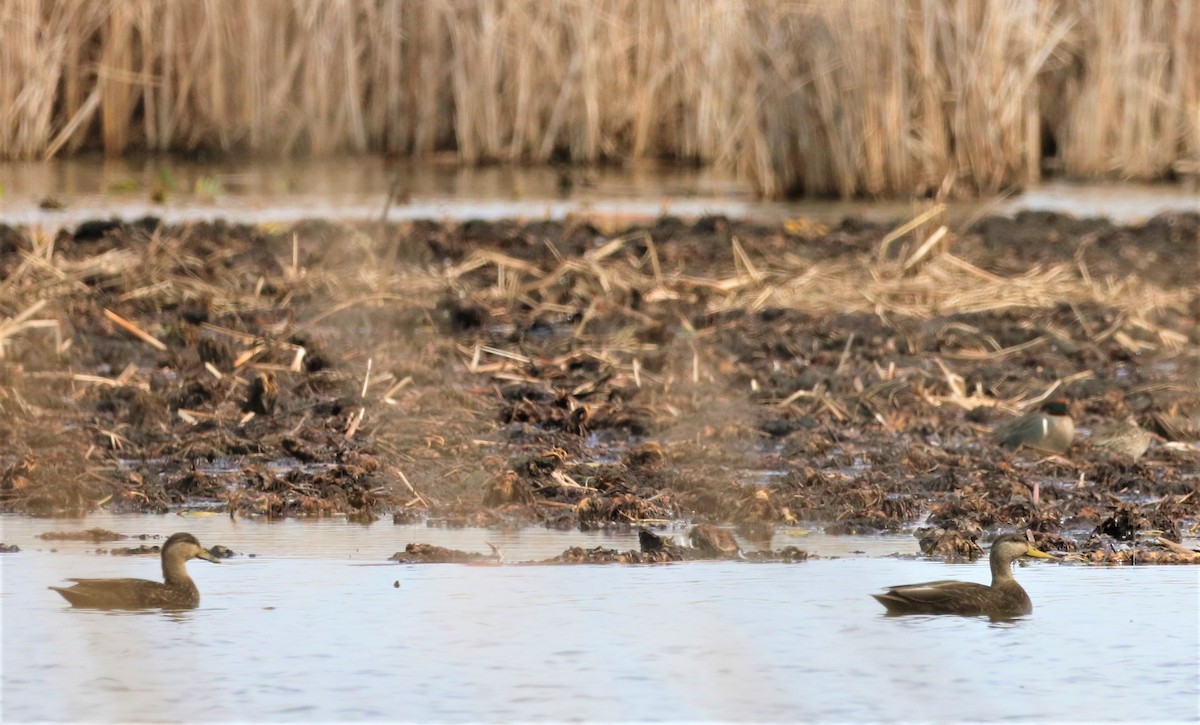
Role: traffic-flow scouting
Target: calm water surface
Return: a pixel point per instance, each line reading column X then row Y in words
column 313, row 628
column 357, row 188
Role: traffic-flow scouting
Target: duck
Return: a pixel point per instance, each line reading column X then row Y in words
column 1049, row 429
column 1003, row 598
column 177, row 591
column 1125, row 439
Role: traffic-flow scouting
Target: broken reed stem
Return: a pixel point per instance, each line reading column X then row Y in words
column 404, row 382
column 405, row 481
column 13, row 324
column 355, row 421
column 923, row 250
column 366, row 380
column 905, row 228
column 134, row 330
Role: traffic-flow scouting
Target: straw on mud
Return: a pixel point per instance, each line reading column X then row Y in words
column 248, row 355
column 845, row 353
column 408, row 484
column 116, row 382
column 195, row 416
column 355, row 421
column 13, row 324
column 958, row 394
column 608, row 248
column 389, row 396
column 654, row 263
column 21, row 322
column 366, row 379
column 929, row 244
column 297, row 363
column 995, row 354
column 742, row 260
column 516, row 357
column 1058, row 383
column 135, row 330
column 910, row 225
column 567, row 482
column 1176, row 547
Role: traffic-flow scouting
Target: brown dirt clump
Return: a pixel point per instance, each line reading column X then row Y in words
column 705, row 543
column 94, row 535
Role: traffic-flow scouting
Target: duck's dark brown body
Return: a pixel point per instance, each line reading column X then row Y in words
column 953, row 597
column 1004, row 598
column 130, row 594
column 177, row 591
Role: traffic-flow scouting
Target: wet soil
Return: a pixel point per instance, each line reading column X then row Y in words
column 706, row 542
column 572, row 374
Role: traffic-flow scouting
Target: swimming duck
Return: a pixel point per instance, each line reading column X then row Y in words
column 1046, row 430
column 1004, row 598
column 179, row 591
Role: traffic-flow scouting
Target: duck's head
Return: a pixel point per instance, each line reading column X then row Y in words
column 1057, row 406
column 184, row 546
column 1011, row 547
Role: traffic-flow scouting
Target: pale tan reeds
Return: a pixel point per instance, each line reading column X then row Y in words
column 850, row 98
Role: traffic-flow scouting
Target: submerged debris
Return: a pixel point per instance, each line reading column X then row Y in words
column 602, row 555
column 132, row 550
column 708, row 543
column 1103, row 549
column 950, row 542
column 430, row 554
column 714, row 542
column 222, row 552
column 94, row 535
column 1129, row 520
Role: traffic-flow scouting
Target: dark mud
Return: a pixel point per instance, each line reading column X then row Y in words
column 706, row 542
column 568, row 375
column 92, row 535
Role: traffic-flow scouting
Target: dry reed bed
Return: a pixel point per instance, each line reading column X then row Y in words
column 846, row 98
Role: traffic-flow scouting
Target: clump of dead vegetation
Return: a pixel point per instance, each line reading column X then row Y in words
column 705, row 542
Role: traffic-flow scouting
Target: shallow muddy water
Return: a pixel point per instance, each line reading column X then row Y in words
column 357, row 188
column 314, row 628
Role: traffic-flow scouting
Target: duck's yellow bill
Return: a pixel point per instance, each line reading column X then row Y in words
column 208, row 556
column 1036, row 553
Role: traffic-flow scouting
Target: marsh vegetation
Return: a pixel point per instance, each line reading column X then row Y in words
column 839, row 98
